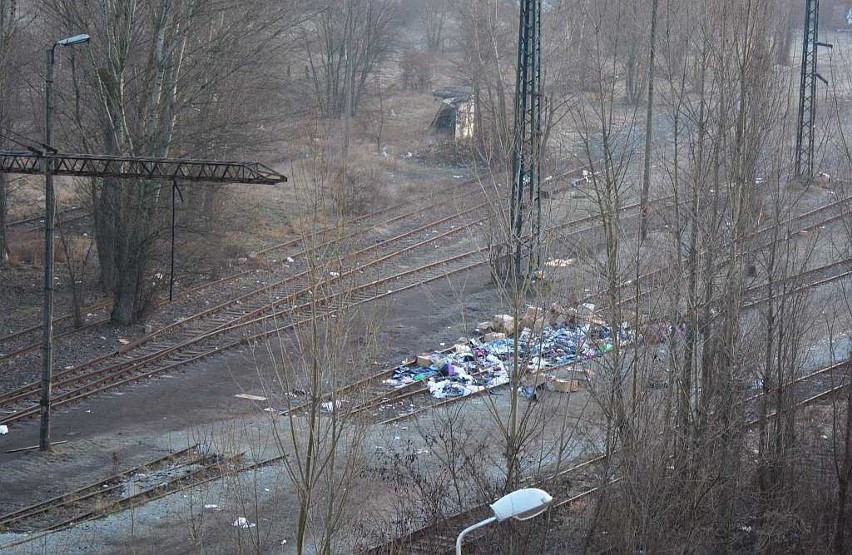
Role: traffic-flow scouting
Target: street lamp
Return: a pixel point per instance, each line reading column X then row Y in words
column 49, row 215
column 521, row 504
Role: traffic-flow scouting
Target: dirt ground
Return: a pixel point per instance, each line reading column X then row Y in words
column 138, row 423
column 197, row 404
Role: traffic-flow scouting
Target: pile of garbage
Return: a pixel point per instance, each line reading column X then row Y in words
column 546, row 339
column 466, row 369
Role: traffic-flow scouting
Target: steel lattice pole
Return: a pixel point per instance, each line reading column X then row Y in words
column 525, row 208
column 807, row 92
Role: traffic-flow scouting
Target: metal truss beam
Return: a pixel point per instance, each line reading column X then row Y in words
column 174, row 169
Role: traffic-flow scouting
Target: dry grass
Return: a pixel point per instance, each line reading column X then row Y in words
column 25, row 249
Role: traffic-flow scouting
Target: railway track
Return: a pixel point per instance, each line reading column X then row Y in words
column 591, row 477
column 28, row 340
column 571, row 496
column 131, row 488
column 567, row 486
column 804, row 390
column 657, row 280
column 359, row 233
column 287, row 297
column 181, row 344
column 167, row 475
column 36, row 223
column 413, row 399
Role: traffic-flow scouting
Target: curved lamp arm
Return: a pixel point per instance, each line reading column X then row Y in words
column 479, row 524
column 521, row 504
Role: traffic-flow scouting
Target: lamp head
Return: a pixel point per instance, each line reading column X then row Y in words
column 76, row 39
column 521, row 504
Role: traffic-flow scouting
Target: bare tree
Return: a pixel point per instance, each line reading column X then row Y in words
column 155, row 72
column 8, row 28
column 433, row 15
column 321, row 435
column 343, row 45
column 488, row 41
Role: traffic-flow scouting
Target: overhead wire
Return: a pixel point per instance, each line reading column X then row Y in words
column 29, row 142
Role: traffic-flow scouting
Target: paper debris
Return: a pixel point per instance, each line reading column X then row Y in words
column 250, row 397
column 4, row 429
column 242, row 522
column 328, row 406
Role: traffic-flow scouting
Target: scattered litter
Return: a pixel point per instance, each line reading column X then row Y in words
column 211, row 506
column 290, row 259
column 334, row 274
column 283, row 542
column 4, row 429
column 242, row 522
column 330, row 406
column 123, row 341
column 529, row 392
column 250, row 397
column 270, row 409
column 559, row 262
column 475, row 366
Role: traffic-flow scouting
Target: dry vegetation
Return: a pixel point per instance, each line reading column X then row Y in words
column 336, row 95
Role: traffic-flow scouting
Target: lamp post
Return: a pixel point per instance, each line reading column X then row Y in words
column 49, row 215
column 521, row 504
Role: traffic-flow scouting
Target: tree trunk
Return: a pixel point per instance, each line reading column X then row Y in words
column 844, row 478
column 4, row 250
column 649, row 128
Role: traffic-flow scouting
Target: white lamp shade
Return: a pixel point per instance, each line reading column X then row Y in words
column 76, row 39
column 521, row 504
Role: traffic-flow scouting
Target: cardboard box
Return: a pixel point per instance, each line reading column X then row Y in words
column 424, row 361
column 503, row 323
column 493, row 336
column 566, row 386
column 533, row 313
column 483, row 327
